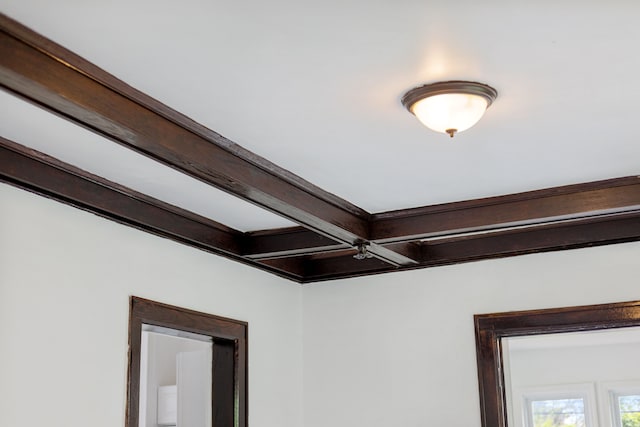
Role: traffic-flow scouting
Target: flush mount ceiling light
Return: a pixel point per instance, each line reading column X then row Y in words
column 449, row 107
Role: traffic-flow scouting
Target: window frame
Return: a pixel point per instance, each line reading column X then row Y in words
column 229, row 367
column 609, row 391
column 585, row 391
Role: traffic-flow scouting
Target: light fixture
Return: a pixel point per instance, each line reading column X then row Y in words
column 449, row 107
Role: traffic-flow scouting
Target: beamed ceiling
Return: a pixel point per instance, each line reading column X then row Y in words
column 158, row 167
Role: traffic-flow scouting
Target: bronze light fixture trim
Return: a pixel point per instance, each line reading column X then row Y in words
column 451, row 106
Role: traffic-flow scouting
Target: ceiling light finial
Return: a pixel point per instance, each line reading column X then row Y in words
column 449, row 107
column 363, row 253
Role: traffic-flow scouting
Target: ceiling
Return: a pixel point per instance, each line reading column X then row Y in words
column 315, row 88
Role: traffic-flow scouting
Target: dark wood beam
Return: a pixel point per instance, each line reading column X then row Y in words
column 290, row 265
column 44, row 175
column 613, row 195
column 287, row 242
column 412, row 250
column 298, row 241
column 47, row 74
column 344, row 266
column 392, row 230
column 596, row 231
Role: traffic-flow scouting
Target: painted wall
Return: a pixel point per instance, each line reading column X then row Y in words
column 395, row 349
column 65, row 281
column 569, row 365
column 159, row 354
column 399, row 349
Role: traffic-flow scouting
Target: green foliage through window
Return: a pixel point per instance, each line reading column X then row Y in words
column 629, row 410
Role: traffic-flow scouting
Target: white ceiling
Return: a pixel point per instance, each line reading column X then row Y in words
column 315, row 87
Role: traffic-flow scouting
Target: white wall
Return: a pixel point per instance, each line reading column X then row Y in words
column 395, row 349
column 399, row 349
column 65, row 279
column 159, row 355
column 571, row 365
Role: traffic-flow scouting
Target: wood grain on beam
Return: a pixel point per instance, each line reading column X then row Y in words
column 603, row 230
column 392, row 230
column 328, row 268
column 498, row 212
column 287, row 242
column 566, row 235
column 298, row 241
column 37, row 172
column 50, row 76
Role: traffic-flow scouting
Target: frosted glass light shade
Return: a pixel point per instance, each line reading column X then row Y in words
column 455, row 111
column 449, row 107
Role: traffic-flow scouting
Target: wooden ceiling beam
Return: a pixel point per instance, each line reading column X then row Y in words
column 298, row 241
column 607, row 229
column 287, row 242
column 33, row 171
column 50, row 76
column 547, row 205
column 392, row 230
column 597, row 231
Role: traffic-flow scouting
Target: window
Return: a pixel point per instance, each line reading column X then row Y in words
column 628, row 410
column 557, row 413
column 566, row 405
column 622, row 408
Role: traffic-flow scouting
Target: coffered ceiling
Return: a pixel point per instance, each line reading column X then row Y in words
column 217, row 124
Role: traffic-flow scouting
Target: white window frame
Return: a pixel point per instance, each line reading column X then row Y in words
column 608, row 393
column 524, row 396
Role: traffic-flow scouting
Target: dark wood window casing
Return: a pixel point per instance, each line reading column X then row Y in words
column 491, row 328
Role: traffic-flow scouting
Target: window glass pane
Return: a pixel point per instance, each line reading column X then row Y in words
column 629, row 407
column 558, row 413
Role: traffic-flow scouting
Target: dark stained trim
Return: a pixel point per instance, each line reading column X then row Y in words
column 411, row 250
column 343, row 266
column 230, row 361
column 491, row 328
column 297, row 241
column 396, row 259
column 287, row 242
column 529, row 208
column 54, row 78
column 39, row 173
column 62, row 54
column 292, row 265
column 516, row 209
column 609, row 229
column 575, row 234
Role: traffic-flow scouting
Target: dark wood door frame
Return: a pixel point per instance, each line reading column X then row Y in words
column 229, row 366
